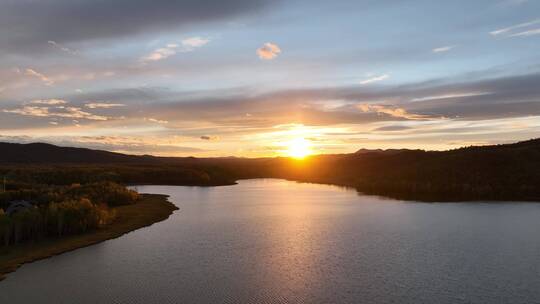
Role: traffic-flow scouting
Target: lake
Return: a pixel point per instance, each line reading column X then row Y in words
column 276, row 241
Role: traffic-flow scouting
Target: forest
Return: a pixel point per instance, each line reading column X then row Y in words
column 59, row 210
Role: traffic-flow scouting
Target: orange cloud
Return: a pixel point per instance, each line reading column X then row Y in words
column 48, row 102
column 268, row 51
column 42, row 77
column 59, row 111
column 103, row 105
column 389, row 110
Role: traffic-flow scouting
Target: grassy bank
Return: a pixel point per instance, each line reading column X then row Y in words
column 147, row 211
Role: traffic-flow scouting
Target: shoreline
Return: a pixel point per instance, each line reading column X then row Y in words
column 419, row 198
column 151, row 209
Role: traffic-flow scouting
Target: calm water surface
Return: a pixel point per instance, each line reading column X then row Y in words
column 274, row 241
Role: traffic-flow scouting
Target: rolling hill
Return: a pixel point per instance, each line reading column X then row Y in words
column 47, row 153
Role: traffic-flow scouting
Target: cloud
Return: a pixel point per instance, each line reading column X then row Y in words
column 447, row 110
column 42, row 77
column 161, row 53
column 64, row 112
column 375, row 79
column 156, row 120
column 30, row 111
column 48, row 102
column 450, row 96
column 443, row 49
column 103, row 105
column 479, row 99
column 527, row 33
column 208, row 137
column 510, row 29
column 54, row 108
column 390, row 110
column 187, row 45
column 268, row 51
column 76, row 21
column 195, row 42
column 219, row 112
column 62, row 48
column 392, row 128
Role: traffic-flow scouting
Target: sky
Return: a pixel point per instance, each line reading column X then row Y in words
column 248, row 77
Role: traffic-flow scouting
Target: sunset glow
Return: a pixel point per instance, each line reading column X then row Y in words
column 227, row 79
column 299, row 148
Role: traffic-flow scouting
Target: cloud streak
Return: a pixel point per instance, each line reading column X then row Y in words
column 60, row 108
column 48, row 102
column 33, row 73
column 450, row 96
column 195, row 42
column 155, row 120
column 443, row 49
column 527, row 33
column 62, row 48
column 508, row 30
column 375, row 79
column 390, row 110
column 171, row 49
column 60, row 111
column 103, row 105
column 161, row 53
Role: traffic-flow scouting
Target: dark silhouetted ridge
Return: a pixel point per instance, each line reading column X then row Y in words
column 47, row 153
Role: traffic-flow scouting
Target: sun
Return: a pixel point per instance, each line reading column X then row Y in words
column 299, row 148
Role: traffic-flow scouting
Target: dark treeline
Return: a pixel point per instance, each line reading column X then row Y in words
column 501, row 172
column 504, row 172
column 57, row 210
column 195, row 173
